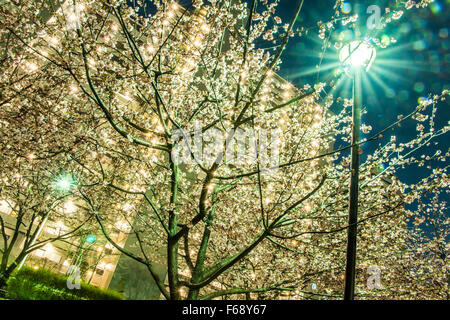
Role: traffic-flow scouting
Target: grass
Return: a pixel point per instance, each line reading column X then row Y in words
column 42, row 284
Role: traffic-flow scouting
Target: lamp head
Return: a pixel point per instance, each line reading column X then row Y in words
column 357, row 54
column 64, row 183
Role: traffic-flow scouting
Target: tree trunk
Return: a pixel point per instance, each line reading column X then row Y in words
column 5, row 273
column 4, row 276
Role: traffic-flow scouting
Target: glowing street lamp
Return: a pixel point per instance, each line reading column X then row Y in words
column 355, row 57
column 64, row 183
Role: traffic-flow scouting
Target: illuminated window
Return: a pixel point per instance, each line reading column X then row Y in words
column 39, row 253
column 52, row 256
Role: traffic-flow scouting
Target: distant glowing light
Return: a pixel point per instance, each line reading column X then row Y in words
column 90, row 239
column 397, row 15
column 357, row 54
column 73, row 89
column 205, row 27
column 403, row 95
column 443, row 33
column 419, row 87
column 32, row 67
column 70, row 207
column 64, row 183
column 390, row 93
column 405, row 27
column 53, row 40
column 423, row 100
column 185, row 70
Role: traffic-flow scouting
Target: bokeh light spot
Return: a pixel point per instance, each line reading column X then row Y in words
column 443, row 33
column 390, row 93
column 405, row 28
column 436, row 7
column 419, row 45
column 403, row 95
column 421, row 100
column 447, row 58
column 385, row 40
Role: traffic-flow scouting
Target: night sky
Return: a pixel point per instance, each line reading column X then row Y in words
column 416, row 65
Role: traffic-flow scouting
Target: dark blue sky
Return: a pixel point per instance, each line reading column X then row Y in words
column 419, row 64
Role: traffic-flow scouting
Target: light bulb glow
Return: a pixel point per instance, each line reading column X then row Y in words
column 70, row 207
column 357, row 54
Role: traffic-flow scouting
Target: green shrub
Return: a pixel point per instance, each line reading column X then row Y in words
column 41, row 284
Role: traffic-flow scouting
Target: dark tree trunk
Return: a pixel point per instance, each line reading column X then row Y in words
column 4, row 276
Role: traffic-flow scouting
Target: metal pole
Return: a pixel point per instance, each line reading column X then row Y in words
column 349, row 290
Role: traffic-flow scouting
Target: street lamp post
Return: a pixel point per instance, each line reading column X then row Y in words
column 355, row 56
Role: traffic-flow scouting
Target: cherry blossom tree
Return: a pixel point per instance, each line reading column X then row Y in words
column 36, row 180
